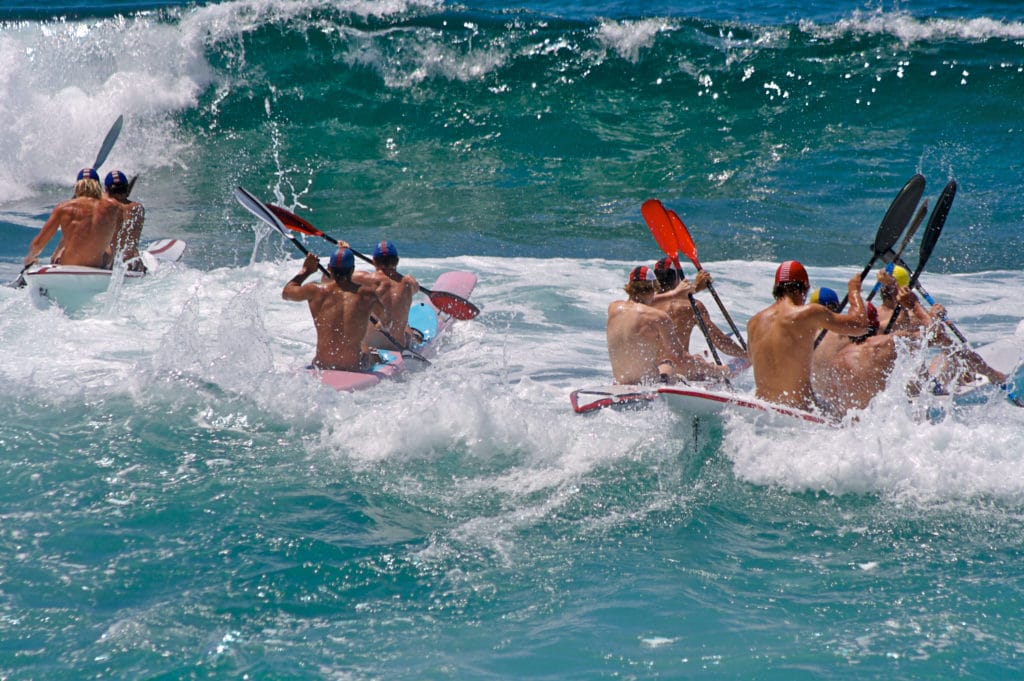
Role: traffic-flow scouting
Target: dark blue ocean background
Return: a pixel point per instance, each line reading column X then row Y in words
column 179, row 500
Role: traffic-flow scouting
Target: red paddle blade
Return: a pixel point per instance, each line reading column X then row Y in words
column 660, row 225
column 686, row 244
column 293, row 221
column 456, row 306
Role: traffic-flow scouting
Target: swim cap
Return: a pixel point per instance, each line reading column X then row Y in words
column 385, row 249
column 342, row 260
column 642, row 273
column 900, row 274
column 88, row 174
column 665, row 271
column 791, row 271
column 825, row 296
column 872, row 315
column 114, row 178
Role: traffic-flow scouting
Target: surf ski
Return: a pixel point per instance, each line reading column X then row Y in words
column 71, row 287
column 424, row 317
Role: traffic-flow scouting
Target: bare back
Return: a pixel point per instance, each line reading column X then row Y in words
column 395, row 292
column 857, row 373
column 780, row 340
column 639, row 337
column 87, row 226
column 126, row 239
column 340, row 315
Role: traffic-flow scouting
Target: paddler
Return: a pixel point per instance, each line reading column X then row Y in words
column 395, row 291
column 341, row 310
column 780, row 337
column 956, row 363
column 87, row 223
column 126, row 239
column 643, row 345
column 672, row 298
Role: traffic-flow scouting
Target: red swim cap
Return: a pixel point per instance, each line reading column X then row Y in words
column 791, row 271
column 642, row 273
column 872, row 316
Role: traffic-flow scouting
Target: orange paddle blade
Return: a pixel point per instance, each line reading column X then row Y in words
column 293, row 221
column 684, row 239
column 658, row 222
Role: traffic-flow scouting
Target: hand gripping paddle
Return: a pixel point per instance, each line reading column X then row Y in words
column 687, row 246
column 928, row 241
column 660, row 224
column 260, row 210
column 449, row 303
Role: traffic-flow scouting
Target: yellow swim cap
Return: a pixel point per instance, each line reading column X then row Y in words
column 901, row 275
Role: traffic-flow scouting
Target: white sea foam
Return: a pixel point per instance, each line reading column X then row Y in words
column 500, row 386
column 910, row 29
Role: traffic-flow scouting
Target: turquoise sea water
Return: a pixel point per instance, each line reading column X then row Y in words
column 178, row 500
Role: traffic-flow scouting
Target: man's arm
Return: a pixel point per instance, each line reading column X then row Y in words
column 50, row 228
column 852, row 323
column 294, row 289
column 719, row 338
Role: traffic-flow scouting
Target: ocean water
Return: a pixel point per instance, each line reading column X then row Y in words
column 179, row 500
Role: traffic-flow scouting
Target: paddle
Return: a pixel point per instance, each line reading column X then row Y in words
column 660, row 224
column 920, row 288
column 108, row 142
column 449, row 303
column 928, row 241
column 687, row 246
column 101, row 156
column 895, row 257
column 893, row 223
column 260, row 210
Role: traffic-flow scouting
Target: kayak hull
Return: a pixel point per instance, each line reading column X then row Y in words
column 689, row 399
column 72, row 287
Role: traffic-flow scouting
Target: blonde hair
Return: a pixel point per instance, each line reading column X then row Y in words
column 635, row 289
column 90, row 188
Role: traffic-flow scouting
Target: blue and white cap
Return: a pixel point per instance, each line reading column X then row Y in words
column 343, row 259
column 88, row 174
column 385, row 249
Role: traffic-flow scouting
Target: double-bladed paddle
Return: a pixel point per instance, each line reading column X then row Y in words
column 928, row 241
column 687, row 246
column 893, row 223
column 101, row 156
column 660, row 224
column 449, row 303
column 260, row 210
column 896, row 257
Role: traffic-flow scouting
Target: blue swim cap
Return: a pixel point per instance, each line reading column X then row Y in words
column 385, row 249
column 343, row 260
column 825, row 296
column 88, row 174
column 115, row 178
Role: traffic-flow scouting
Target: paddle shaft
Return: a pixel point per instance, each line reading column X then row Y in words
column 690, row 249
column 261, row 211
column 450, row 303
column 931, row 301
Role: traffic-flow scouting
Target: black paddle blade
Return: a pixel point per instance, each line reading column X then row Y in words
column 108, row 142
column 453, row 305
column 934, row 228
column 901, row 210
